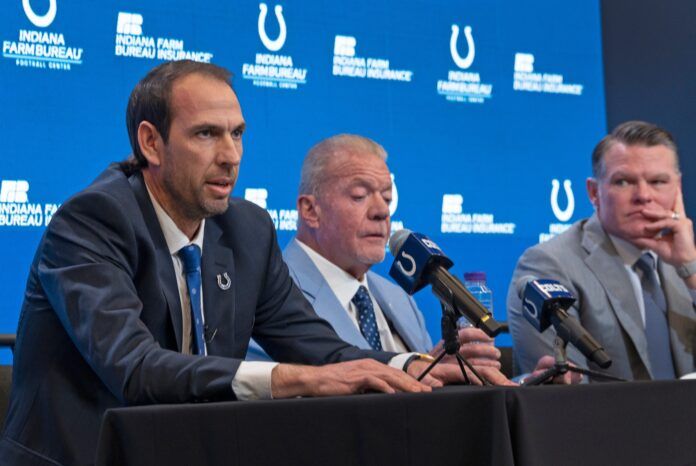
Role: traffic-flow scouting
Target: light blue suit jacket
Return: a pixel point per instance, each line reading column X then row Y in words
column 398, row 307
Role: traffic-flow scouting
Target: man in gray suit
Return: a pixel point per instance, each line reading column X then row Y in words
column 344, row 224
column 632, row 265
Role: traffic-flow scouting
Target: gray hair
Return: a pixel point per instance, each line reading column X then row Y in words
column 632, row 133
column 319, row 157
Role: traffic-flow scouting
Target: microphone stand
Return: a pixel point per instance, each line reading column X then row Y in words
column 562, row 366
column 451, row 345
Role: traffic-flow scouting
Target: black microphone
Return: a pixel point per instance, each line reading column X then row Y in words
column 545, row 302
column 418, row 261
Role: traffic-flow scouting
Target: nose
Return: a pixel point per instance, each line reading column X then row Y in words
column 229, row 150
column 643, row 193
column 379, row 210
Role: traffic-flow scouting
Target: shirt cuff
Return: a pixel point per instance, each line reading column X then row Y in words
column 398, row 361
column 253, row 380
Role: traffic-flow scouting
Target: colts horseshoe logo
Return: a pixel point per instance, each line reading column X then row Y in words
column 226, row 284
column 277, row 44
column 41, row 21
column 562, row 215
column 412, row 269
column 466, row 62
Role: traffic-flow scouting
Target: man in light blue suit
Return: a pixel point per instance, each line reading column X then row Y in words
column 344, row 224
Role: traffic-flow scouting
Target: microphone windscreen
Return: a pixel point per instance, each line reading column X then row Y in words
column 397, row 240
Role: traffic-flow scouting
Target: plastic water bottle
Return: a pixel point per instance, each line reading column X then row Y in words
column 475, row 282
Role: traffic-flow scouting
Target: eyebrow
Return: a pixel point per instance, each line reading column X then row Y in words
column 207, row 124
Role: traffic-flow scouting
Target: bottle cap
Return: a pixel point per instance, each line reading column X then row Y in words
column 475, row 276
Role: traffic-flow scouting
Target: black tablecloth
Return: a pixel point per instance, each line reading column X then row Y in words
column 614, row 423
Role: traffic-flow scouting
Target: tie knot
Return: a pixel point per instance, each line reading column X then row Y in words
column 191, row 258
column 361, row 296
column 646, row 263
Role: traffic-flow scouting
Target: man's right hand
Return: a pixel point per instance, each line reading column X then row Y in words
column 344, row 378
column 476, row 347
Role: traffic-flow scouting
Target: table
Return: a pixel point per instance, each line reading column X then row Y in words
column 610, row 423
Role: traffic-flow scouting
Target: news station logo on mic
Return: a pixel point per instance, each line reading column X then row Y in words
column 413, row 254
column 273, row 70
column 538, row 295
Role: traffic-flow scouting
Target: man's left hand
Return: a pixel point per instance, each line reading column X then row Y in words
column 670, row 233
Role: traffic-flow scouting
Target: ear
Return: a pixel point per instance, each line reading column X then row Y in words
column 593, row 191
column 309, row 210
column 151, row 143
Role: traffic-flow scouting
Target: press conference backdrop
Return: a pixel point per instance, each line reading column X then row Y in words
column 489, row 110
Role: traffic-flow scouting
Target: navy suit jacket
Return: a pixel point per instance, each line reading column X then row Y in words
column 100, row 326
column 399, row 308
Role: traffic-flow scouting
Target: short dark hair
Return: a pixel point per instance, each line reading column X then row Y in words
column 151, row 99
column 632, row 133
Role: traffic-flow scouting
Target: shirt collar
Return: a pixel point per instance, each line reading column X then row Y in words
column 628, row 252
column 343, row 284
column 175, row 238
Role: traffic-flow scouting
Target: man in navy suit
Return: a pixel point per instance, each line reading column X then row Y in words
column 148, row 285
column 343, row 228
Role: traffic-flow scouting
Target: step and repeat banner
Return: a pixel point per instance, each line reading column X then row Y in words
column 488, row 109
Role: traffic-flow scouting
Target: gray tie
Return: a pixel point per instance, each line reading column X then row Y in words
column 656, row 326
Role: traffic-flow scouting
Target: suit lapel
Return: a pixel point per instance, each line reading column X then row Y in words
column 165, row 267
column 607, row 265
column 680, row 311
column 320, row 295
column 219, row 291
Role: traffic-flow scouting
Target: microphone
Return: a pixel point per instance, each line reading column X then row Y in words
column 418, row 261
column 545, row 302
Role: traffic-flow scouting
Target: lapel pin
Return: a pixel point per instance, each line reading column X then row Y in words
column 226, row 284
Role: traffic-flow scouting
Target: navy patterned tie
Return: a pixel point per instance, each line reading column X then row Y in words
column 656, row 326
column 191, row 258
column 366, row 318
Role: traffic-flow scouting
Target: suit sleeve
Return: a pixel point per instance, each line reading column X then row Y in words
column 87, row 269
column 529, row 344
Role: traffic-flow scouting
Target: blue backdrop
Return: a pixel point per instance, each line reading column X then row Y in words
column 482, row 105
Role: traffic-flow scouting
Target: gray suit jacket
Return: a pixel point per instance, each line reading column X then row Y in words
column 584, row 260
column 398, row 307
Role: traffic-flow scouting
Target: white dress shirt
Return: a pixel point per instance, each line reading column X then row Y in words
column 344, row 286
column 253, row 378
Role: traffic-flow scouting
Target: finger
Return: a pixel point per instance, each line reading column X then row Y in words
column 376, row 384
column 477, row 350
column 495, row 377
column 402, row 382
column 472, row 334
column 484, row 362
column 431, row 381
column 657, row 214
column 679, row 203
column 659, row 225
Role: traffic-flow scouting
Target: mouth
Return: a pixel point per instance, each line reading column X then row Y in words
column 377, row 235
column 220, row 186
